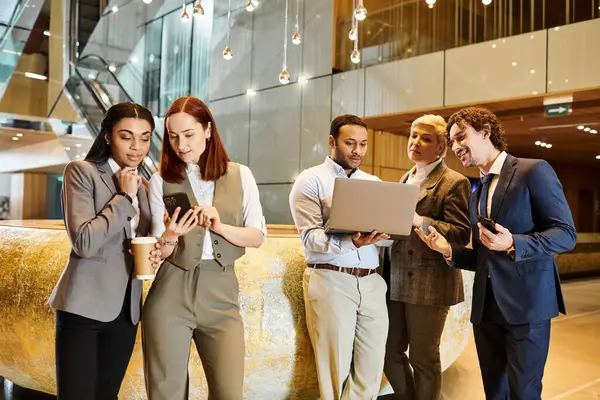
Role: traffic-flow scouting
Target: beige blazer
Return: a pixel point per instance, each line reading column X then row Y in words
column 419, row 275
column 98, row 223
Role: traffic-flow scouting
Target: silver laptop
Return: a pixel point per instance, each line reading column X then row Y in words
column 360, row 205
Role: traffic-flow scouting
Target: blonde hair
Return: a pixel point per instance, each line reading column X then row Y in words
column 438, row 123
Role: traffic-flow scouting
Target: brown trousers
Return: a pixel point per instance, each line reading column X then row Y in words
column 200, row 304
column 418, row 329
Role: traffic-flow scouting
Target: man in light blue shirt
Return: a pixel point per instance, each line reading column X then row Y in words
column 344, row 296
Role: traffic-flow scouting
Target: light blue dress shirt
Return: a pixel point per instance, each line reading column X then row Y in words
column 310, row 203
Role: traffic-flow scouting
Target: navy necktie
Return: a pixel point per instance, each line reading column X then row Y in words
column 483, row 198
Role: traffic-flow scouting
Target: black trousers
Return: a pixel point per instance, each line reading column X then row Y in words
column 92, row 356
column 511, row 357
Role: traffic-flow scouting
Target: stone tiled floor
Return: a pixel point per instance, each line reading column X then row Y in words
column 573, row 367
column 572, row 370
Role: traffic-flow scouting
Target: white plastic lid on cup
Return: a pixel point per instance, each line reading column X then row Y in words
column 143, row 240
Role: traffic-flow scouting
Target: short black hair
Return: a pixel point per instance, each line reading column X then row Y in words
column 99, row 152
column 342, row 120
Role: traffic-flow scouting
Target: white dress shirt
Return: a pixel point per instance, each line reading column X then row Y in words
column 204, row 192
column 496, row 169
column 310, row 203
column 136, row 205
column 418, row 175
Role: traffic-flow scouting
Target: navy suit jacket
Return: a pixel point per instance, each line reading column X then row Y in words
column 528, row 201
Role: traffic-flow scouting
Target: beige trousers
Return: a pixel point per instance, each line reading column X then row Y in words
column 347, row 323
column 200, row 304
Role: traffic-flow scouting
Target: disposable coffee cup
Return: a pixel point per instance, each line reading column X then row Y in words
column 142, row 247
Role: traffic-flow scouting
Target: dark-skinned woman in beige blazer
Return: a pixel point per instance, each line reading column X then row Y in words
column 421, row 285
column 98, row 298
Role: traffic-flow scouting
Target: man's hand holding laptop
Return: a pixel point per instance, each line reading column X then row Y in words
column 364, row 239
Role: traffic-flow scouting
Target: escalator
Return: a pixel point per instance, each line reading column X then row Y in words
column 94, row 88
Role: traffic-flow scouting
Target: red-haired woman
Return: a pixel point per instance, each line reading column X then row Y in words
column 195, row 293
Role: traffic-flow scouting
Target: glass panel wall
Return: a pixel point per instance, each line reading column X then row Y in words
column 397, row 29
column 170, row 70
column 152, row 65
column 176, row 59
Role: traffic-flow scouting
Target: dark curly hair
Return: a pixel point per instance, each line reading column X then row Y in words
column 480, row 119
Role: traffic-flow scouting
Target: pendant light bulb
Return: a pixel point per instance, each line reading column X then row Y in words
column 198, row 10
column 355, row 56
column 227, row 53
column 284, row 77
column 486, row 2
column 184, row 17
column 352, row 35
column 296, row 38
column 361, row 12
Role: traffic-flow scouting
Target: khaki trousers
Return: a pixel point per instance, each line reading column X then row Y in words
column 200, row 304
column 347, row 323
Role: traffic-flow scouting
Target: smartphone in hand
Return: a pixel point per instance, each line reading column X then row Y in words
column 489, row 224
column 175, row 200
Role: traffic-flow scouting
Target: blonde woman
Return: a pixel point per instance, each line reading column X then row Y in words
column 421, row 285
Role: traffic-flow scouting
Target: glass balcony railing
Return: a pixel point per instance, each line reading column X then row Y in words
column 12, row 36
column 398, row 29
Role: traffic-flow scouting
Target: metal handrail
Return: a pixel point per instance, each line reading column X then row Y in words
column 13, row 20
column 107, row 67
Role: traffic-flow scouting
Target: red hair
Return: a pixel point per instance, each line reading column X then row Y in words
column 213, row 161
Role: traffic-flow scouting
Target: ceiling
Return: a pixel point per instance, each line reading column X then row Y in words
column 28, row 137
column 24, row 138
column 525, row 123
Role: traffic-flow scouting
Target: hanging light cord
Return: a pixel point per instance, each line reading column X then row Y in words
column 285, row 35
column 229, row 24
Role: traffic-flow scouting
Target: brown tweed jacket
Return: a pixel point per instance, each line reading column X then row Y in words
column 417, row 274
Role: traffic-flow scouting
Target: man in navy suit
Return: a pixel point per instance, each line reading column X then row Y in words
column 517, row 290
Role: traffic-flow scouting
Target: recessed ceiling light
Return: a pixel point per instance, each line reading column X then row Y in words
column 78, row 145
column 47, row 33
column 514, row 63
column 543, row 144
column 598, row 157
column 67, row 148
column 538, row 143
column 19, row 135
column 548, row 145
column 586, row 129
column 15, row 138
column 35, row 76
column 581, row 127
column 593, row 131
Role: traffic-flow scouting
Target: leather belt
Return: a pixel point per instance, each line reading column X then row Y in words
column 360, row 272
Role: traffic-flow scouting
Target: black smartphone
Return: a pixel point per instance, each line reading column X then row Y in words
column 172, row 201
column 488, row 223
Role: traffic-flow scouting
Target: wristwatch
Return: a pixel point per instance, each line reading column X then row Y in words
column 511, row 252
column 128, row 197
